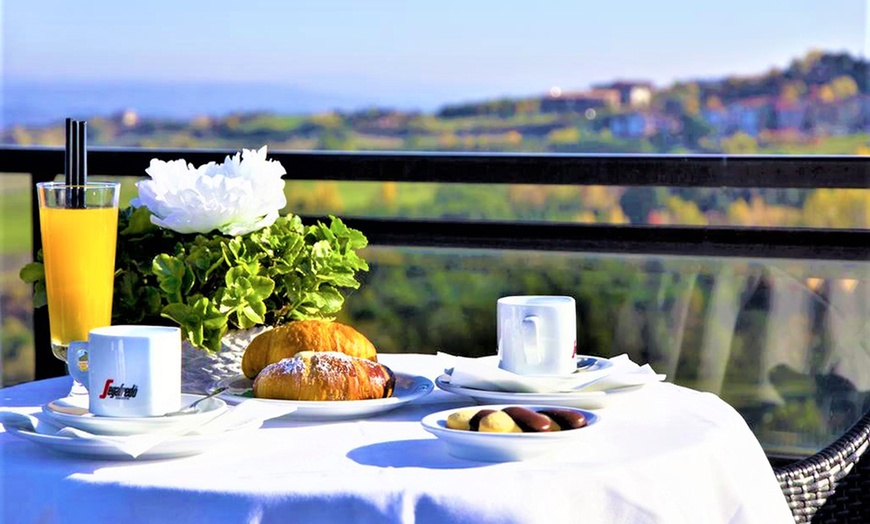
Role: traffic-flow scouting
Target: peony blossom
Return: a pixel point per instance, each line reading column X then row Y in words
column 241, row 195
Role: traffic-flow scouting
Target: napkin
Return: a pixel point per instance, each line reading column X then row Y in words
column 246, row 413
column 483, row 373
column 624, row 373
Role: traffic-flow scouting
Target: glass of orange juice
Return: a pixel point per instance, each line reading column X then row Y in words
column 79, row 227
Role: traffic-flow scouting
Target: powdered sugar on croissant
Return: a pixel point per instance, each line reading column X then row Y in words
column 324, row 375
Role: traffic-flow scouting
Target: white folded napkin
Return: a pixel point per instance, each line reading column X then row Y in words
column 243, row 414
column 483, row 373
column 625, row 373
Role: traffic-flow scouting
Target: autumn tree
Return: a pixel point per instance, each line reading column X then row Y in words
column 739, row 144
column 843, row 87
column 389, row 194
column 757, row 212
column 837, row 208
column 684, row 212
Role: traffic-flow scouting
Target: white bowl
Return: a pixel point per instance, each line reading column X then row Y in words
column 504, row 447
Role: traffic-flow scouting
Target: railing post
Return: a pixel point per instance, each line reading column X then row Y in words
column 46, row 365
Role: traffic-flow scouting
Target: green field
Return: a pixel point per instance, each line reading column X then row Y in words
column 14, row 214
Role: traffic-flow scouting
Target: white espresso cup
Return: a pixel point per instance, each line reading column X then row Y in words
column 129, row 371
column 537, row 334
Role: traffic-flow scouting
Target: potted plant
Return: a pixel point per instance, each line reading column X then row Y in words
column 206, row 249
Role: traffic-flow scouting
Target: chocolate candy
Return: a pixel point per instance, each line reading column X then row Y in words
column 528, row 420
column 515, row 419
column 474, row 422
column 498, row 422
column 565, row 418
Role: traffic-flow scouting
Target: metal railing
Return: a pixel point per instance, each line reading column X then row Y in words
column 693, row 171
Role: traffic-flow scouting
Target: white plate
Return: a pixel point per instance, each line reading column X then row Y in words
column 574, row 399
column 408, row 389
column 73, row 411
column 503, row 447
column 173, row 448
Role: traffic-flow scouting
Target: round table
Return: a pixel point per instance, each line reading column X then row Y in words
column 662, row 454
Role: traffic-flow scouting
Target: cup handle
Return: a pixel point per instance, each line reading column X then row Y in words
column 77, row 367
column 531, row 348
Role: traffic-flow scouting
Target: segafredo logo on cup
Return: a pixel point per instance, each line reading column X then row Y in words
column 118, row 392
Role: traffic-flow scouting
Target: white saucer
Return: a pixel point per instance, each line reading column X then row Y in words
column 408, row 389
column 484, row 373
column 503, row 447
column 587, row 365
column 73, row 411
column 175, row 447
column 573, row 399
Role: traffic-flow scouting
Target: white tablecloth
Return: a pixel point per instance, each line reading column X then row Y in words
column 663, row 454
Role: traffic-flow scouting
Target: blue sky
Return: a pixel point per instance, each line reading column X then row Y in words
column 417, row 49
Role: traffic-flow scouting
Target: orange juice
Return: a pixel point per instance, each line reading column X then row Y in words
column 79, row 254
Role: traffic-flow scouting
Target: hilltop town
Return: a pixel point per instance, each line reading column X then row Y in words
column 818, row 104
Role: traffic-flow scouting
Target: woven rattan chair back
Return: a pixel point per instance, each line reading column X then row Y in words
column 832, row 486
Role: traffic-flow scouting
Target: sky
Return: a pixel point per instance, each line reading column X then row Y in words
column 417, row 50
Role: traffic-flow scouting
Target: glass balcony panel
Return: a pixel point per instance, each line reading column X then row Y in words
column 785, row 342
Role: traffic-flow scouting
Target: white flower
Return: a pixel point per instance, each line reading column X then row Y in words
column 241, row 195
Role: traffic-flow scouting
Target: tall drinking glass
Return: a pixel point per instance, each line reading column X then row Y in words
column 79, row 227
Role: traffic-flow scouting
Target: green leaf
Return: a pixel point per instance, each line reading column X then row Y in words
column 200, row 321
column 345, row 279
column 32, row 272
column 138, row 221
column 331, row 300
column 252, row 314
column 243, row 298
column 208, row 313
column 233, row 251
column 182, row 314
column 40, row 297
column 175, row 278
column 261, row 287
column 150, row 301
column 236, row 253
column 213, row 338
column 321, row 249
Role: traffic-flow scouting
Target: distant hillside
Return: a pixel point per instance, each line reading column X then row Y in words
column 813, row 72
column 817, row 71
column 819, row 104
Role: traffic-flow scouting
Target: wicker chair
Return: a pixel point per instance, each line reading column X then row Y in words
column 832, row 486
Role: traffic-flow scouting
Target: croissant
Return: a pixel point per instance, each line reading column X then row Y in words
column 326, row 375
column 304, row 335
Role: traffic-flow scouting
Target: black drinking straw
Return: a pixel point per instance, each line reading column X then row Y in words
column 75, row 162
column 82, row 163
column 69, row 161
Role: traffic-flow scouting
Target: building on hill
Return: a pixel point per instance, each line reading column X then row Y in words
column 580, row 102
column 641, row 124
column 749, row 116
column 635, row 95
column 790, row 114
column 717, row 117
column 810, row 115
column 838, row 117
